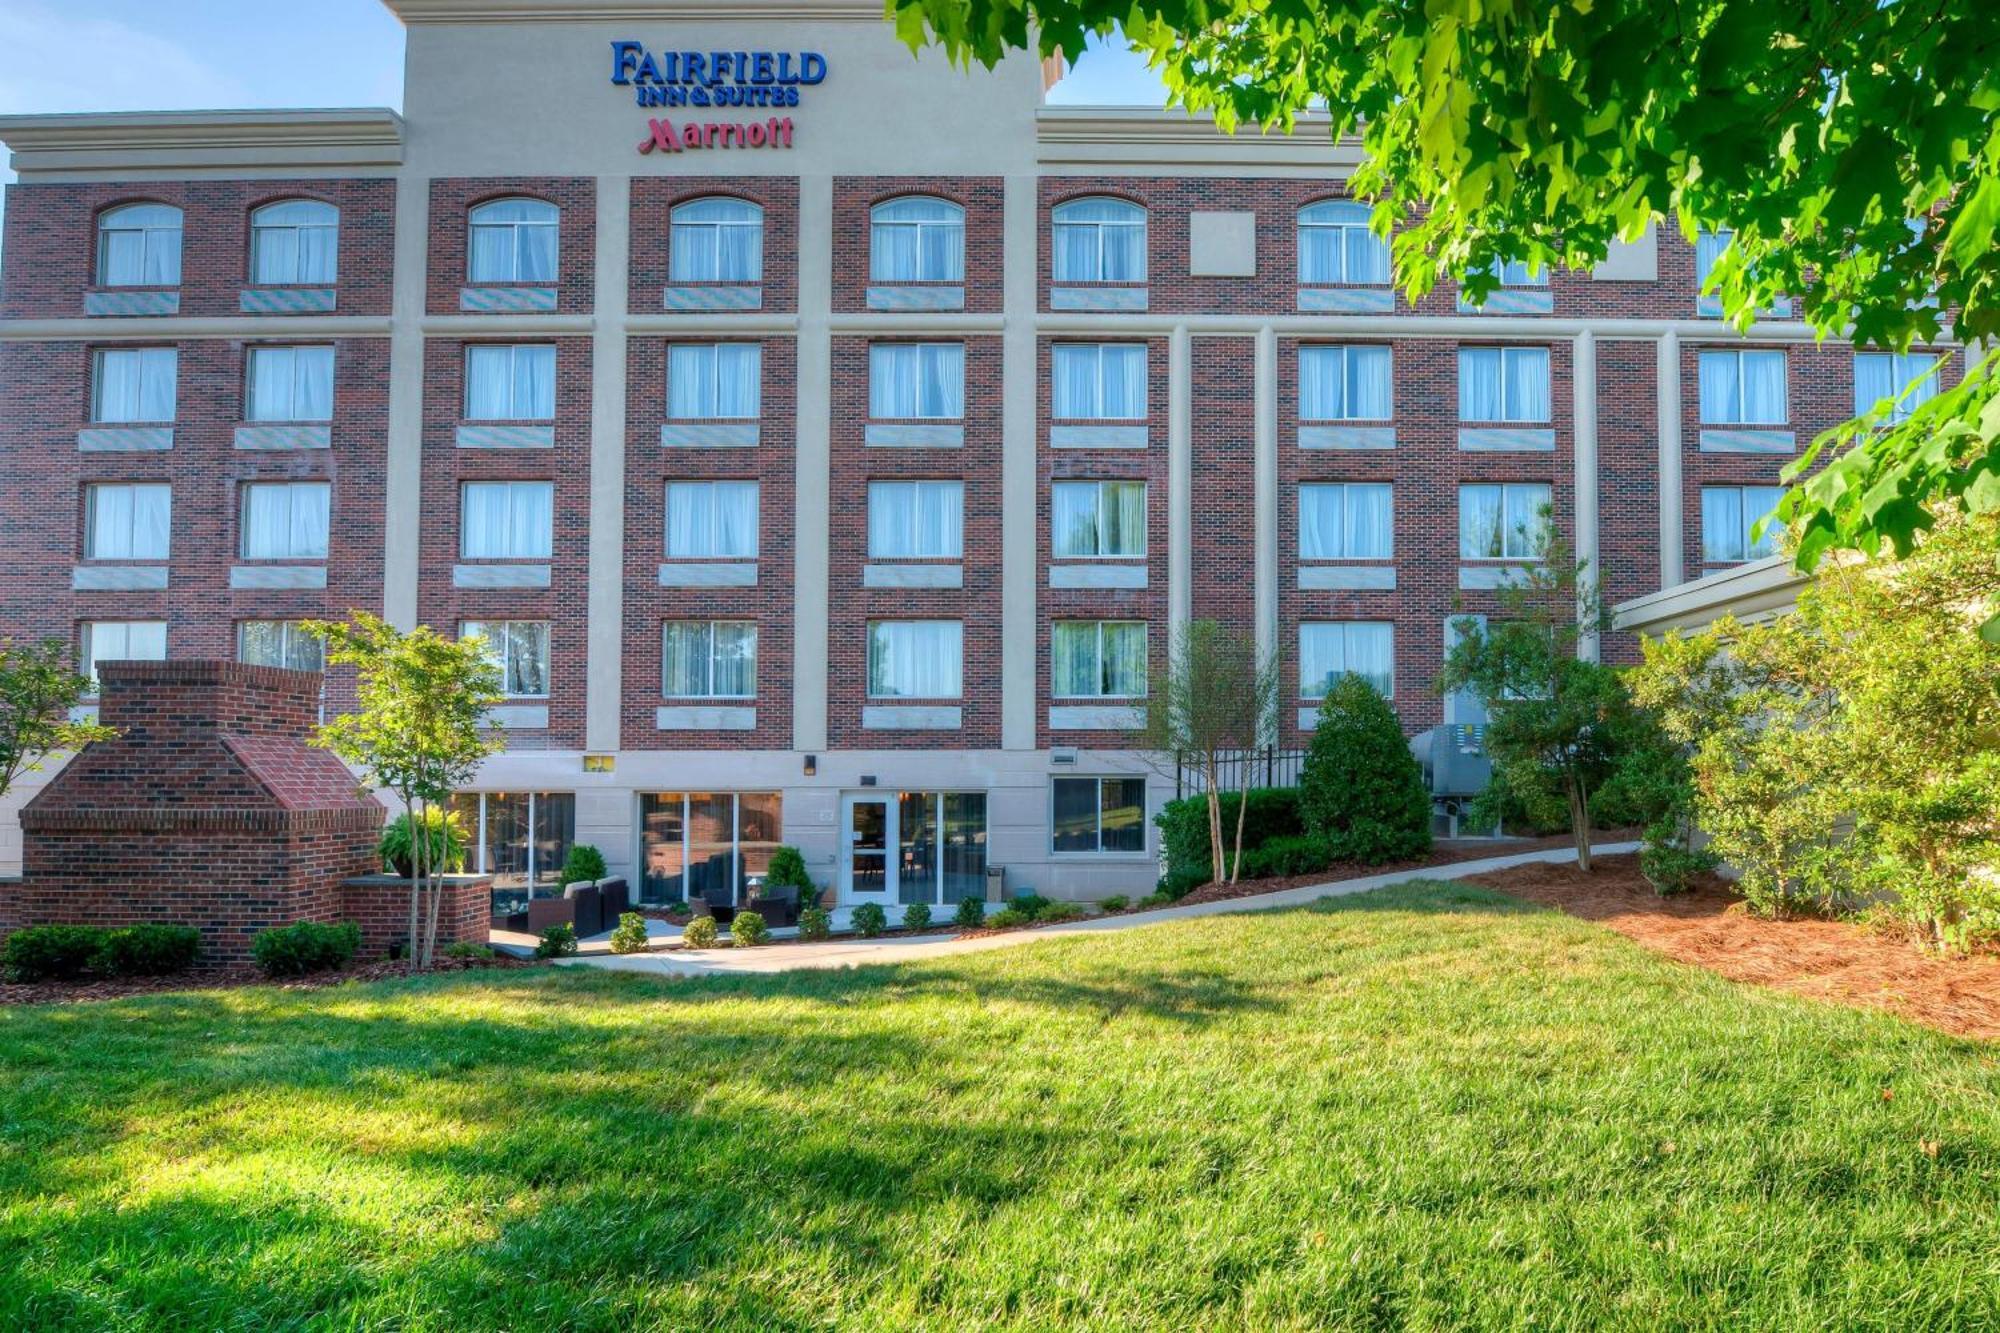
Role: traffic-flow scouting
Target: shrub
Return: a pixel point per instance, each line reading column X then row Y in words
column 147, row 951
column 1273, row 813
column 49, row 953
column 1060, row 911
column 1008, row 916
column 814, row 924
column 558, row 941
column 971, row 914
column 870, row 920
column 447, row 842
column 467, row 949
column 1117, row 902
column 699, row 933
column 1030, row 905
column 583, row 865
column 1361, row 790
column 1157, row 898
column 1295, row 854
column 630, row 936
column 788, row 871
column 748, row 930
column 303, row 947
column 917, row 916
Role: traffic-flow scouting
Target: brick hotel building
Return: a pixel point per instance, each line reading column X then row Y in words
column 825, row 444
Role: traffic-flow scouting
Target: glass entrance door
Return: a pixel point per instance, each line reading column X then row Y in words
column 868, row 869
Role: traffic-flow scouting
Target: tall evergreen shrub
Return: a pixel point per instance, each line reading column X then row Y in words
column 1361, row 789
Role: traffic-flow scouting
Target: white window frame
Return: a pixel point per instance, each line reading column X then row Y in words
column 880, row 218
column 683, row 228
column 704, row 360
column 152, row 235
column 514, row 228
column 919, row 488
column 1905, row 370
column 1059, row 223
column 1098, row 780
column 87, row 658
column 873, row 656
column 709, row 625
column 1313, row 690
column 1098, row 395
column 711, row 488
column 1345, row 354
column 1103, row 660
column 547, row 544
column 1518, row 273
column 500, row 636
column 294, row 490
column 1344, row 219
column 880, row 352
column 264, row 232
column 291, row 637
column 149, row 360
column 1507, row 356
column 1739, row 413
column 1350, row 496
column 1509, row 535
column 1745, row 548
column 322, row 355
column 1102, row 511
column 93, row 532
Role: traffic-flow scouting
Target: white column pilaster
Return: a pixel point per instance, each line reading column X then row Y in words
column 1583, row 425
column 403, row 467
column 812, row 488
column 1019, row 480
column 1673, row 521
column 604, row 639
column 1180, row 481
column 1265, row 490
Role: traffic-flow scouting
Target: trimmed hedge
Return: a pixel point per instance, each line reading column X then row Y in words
column 1293, row 854
column 1361, row 790
column 303, row 947
column 1273, row 813
column 65, row 953
column 50, row 953
column 147, row 951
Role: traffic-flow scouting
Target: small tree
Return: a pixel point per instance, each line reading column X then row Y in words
column 37, row 691
column 1362, row 790
column 418, row 731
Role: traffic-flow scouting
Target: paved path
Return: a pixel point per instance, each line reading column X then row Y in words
column 911, row 948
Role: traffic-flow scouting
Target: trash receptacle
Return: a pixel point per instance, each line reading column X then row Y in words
column 996, row 884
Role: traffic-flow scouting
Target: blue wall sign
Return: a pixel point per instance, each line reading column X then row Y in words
column 714, row 78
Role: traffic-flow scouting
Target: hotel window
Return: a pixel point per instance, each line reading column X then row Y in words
column 916, row 520
column 710, row 659
column 510, row 383
column 1503, row 384
column 139, row 245
column 279, row 643
column 521, row 839
column 1518, row 273
column 513, row 240
column 1905, row 378
column 134, row 384
column 711, row 520
column 506, row 520
column 1503, row 522
column 1743, row 387
column 1099, row 381
column 1329, row 650
column 1345, row 520
column 1336, row 246
column 1729, row 513
column 916, row 659
column 127, row 521
column 520, row 648
column 289, row 384
column 943, row 837
column 1708, row 247
column 1098, row 659
column 916, row 239
column 716, row 240
column 285, row 520
column 705, row 844
column 1345, row 383
column 1099, row 240
column 1098, row 815
column 715, row 381
column 119, row 641
column 916, row 380
column 294, row 243
column 1097, row 519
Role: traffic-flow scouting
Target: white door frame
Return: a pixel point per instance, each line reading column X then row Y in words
column 891, row 852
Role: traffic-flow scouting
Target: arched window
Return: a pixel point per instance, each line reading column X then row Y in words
column 716, row 240
column 139, row 245
column 1100, row 240
column 514, row 240
column 1336, row 246
column 917, row 239
column 294, row 242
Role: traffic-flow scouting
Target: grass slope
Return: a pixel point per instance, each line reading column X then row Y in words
column 1423, row 1107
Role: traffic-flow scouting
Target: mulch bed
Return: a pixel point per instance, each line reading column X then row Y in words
column 1827, row 960
column 1444, row 852
column 233, row 978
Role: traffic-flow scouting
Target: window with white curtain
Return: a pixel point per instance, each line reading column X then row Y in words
column 103, row 641
column 1098, row 659
column 1728, row 513
column 1347, row 383
column 710, row 659
column 510, row 383
column 289, row 384
column 916, row 380
column 279, row 643
column 513, row 240
column 134, row 384
column 285, row 520
column 520, row 648
column 916, row 239
column 1099, row 381
column 1503, row 384
column 139, row 245
column 716, row 240
column 1708, row 247
column 1097, row 519
column 1347, row 520
column 916, row 520
column 127, row 520
column 1336, row 246
column 712, row 520
column 1503, row 522
column 506, row 520
column 1743, row 387
column 1330, row 649
column 1518, row 273
column 1099, row 240
column 915, row 659
column 295, row 242
column 1907, row 379
column 715, row 381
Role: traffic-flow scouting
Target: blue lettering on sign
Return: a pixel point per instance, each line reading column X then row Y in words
column 714, row 78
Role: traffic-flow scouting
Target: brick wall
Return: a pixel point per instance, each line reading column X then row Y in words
column 1223, row 490
column 381, row 907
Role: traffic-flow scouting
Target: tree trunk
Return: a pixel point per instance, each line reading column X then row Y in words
column 433, row 890
column 1215, row 851
column 1579, row 820
column 416, row 890
column 1242, row 809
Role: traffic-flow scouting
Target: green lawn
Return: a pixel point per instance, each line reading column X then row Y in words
column 1425, row 1107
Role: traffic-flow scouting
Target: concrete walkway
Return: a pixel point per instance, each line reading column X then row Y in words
column 912, row 948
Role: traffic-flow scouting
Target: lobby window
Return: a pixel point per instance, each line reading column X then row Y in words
column 1099, row 240
column 706, row 844
column 279, row 643
column 127, row 521
column 1345, row 383
column 1098, row 814
column 916, row 239
column 916, row 659
column 723, row 381
column 289, row 384
column 1097, row 519
column 710, row 659
column 1503, row 384
column 521, row 839
column 294, row 243
column 712, row 520
column 943, row 838
column 520, row 648
column 510, row 383
column 1329, row 650
column 1907, row 379
column 1336, row 246
column 1503, row 522
column 1099, row 381
column 513, row 240
column 916, row 380
column 506, row 520
column 1345, row 520
column 139, row 245
column 131, row 384
column 916, row 520
column 119, row 641
column 716, row 240
column 1729, row 513
column 1098, row 659
column 1743, row 387
column 285, row 520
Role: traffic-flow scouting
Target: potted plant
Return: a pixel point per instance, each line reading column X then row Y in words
column 446, row 843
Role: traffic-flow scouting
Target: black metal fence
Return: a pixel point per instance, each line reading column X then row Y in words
column 1267, row 766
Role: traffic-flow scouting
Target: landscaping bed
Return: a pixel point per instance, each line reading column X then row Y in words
column 1444, row 852
column 230, row 978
